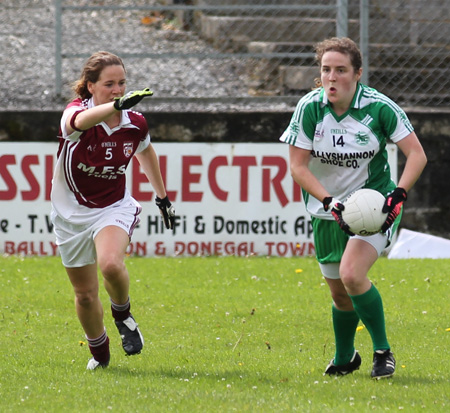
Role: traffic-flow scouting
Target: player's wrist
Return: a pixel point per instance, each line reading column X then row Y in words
column 116, row 104
column 401, row 192
column 326, row 202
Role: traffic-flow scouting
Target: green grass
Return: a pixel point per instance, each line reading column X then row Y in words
column 222, row 335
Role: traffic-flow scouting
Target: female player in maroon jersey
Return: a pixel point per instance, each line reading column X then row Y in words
column 93, row 213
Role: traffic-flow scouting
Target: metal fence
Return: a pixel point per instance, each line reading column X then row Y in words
column 258, row 50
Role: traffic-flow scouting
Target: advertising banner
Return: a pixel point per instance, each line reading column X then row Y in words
column 230, row 199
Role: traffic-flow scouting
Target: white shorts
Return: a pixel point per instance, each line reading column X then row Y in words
column 76, row 241
column 379, row 241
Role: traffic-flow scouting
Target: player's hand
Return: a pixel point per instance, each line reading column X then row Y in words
column 131, row 98
column 336, row 210
column 167, row 211
column 392, row 206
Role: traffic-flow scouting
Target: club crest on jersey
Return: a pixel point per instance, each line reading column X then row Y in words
column 128, row 149
column 362, row 138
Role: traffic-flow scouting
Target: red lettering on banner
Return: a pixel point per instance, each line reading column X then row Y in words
column 11, row 191
column 34, row 190
column 212, row 173
column 48, row 176
column 190, row 178
column 139, row 177
column 194, row 248
column 30, row 248
column 244, row 162
column 295, row 249
column 160, row 249
column 137, row 248
column 9, row 247
column 273, row 172
column 33, row 193
column 276, row 181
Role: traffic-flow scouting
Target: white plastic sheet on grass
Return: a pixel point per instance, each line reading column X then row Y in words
column 411, row 244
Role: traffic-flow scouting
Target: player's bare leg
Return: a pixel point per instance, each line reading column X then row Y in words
column 90, row 312
column 358, row 258
column 87, row 303
column 341, row 299
column 111, row 244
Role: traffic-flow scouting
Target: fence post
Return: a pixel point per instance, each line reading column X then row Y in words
column 58, row 40
column 342, row 18
column 364, row 38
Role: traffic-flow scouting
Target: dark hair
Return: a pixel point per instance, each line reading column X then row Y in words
column 91, row 71
column 342, row 45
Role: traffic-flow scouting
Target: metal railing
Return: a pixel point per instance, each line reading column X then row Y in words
column 240, row 50
column 338, row 8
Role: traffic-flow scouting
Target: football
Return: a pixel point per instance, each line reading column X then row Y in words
column 363, row 213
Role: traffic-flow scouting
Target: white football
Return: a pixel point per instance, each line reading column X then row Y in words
column 363, row 213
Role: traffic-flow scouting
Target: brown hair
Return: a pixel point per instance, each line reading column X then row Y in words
column 342, row 45
column 91, row 71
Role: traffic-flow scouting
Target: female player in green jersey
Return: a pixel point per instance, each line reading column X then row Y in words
column 337, row 137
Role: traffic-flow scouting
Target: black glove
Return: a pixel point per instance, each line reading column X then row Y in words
column 392, row 206
column 167, row 211
column 131, row 98
column 336, row 210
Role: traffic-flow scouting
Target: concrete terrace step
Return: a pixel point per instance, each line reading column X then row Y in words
column 263, row 2
column 220, row 29
column 394, row 80
column 384, row 55
column 317, row 8
column 405, row 78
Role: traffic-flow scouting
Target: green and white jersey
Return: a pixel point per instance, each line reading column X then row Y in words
column 348, row 152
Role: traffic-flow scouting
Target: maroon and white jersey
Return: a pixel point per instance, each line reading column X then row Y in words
column 91, row 165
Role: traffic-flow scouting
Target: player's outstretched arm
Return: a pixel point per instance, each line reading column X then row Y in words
column 85, row 119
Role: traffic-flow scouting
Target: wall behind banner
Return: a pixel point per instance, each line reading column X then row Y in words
column 232, row 199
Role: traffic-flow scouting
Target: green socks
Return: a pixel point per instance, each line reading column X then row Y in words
column 344, row 324
column 369, row 307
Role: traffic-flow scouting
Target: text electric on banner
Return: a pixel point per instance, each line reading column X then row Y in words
column 231, row 199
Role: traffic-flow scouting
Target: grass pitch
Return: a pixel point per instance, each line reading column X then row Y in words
column 221, row 335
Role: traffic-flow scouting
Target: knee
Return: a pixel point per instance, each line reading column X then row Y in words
column 348, row 275
column 342, row 300
column 110, row 267
column 86, row 298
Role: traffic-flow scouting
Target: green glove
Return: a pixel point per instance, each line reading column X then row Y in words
column 131, row 98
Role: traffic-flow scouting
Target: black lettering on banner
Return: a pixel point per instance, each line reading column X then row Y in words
column 32, row 219
column 199, row 225
column 154, row 225
column 271, row 225
column 303, row 226
column 49, row 224
column 4, row 225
